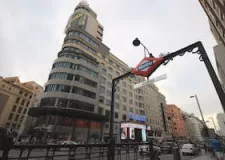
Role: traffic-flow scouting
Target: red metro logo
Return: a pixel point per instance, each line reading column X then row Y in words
column 147, row 66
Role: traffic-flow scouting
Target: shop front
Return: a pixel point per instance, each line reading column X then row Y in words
column 131, row 131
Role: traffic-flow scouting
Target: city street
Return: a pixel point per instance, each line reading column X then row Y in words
column 64, row 155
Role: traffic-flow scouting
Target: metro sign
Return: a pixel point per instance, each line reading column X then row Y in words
column 147, row 66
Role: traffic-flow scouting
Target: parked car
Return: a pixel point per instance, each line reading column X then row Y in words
column 68, row 142
column 189, row 149
column 144, row 149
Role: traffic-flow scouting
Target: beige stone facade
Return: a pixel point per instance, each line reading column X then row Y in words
column 215, row 10
column 15, row 98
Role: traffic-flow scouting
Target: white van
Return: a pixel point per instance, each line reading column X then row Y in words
column 189, row 149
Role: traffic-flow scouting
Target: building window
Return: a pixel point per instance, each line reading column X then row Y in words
column 109, row 76
column 142, row 112
column 136, row 111
column 14, row 108
column 62, row 103
column 109, row 84
column 130, row 101
column 100, row 110
column 124, row 117
column 102, row 89
column 22, row 102
column 17, row 100
column 19, row 110
column 130, row 109
column 102, row 80
column 48, row 102
column 108, row 93
column 21, row 92
column 28, row 103
column 110, row 69
column 101, row 99
column 57, row 88
column 16, row 118
column 10, row 116
column 107, row 113
column 116, row 115
column 85, row 81
column 24, row 111
column 108, row 102
column 117, row 105
column 104, row 70
column 124, row 99
column 130, row 94
column 25, row 94
column 83, row 92
column 117, row 96
column 124, row 108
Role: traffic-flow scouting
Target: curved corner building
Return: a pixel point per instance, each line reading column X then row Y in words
column 73, row 80
column 77, row 95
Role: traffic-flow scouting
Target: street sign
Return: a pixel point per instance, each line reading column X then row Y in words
column 147, row 66
column 153, row 80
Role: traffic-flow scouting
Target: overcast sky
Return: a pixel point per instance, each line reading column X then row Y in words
column 32, row 32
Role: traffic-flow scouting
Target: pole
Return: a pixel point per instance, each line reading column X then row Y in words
column 213, row 123
column 213, row 76
column 111, row 155
column 199, row 107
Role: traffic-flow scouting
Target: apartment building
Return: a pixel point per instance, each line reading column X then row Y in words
column 176, row 119
column 15, row 98
column 215, row 10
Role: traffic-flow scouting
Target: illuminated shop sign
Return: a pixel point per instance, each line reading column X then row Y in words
column 133, row 125
column 137, row 117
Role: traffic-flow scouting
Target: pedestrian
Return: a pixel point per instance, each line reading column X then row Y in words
column 217, row 148
column 205, row 148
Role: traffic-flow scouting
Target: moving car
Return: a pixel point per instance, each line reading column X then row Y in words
column 189, row 149
column 167, row 147
column 144, row 149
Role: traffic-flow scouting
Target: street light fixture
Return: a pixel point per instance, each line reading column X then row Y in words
column 137, row 42
column 199, row 107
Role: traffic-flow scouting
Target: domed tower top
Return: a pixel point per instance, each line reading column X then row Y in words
column 85, row 18
column 84, row 3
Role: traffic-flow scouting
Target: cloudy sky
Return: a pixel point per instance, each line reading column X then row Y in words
column 32, row 32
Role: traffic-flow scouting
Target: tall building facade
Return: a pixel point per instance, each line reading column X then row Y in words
column 176, row 119
column 194, row 128
column 15, row 98
column 81, row 80
column 215, row 10
column 221, row 121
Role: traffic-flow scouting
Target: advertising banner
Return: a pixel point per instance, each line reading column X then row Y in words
column 123, row 133
column 132, row 134
column 144, row 137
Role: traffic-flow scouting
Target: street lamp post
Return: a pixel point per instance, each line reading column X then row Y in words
column 213, row 123
column 199, row 107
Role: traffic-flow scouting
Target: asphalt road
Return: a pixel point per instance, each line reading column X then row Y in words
column 63, row 155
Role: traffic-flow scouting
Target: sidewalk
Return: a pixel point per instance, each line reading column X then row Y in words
column 205, row 157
